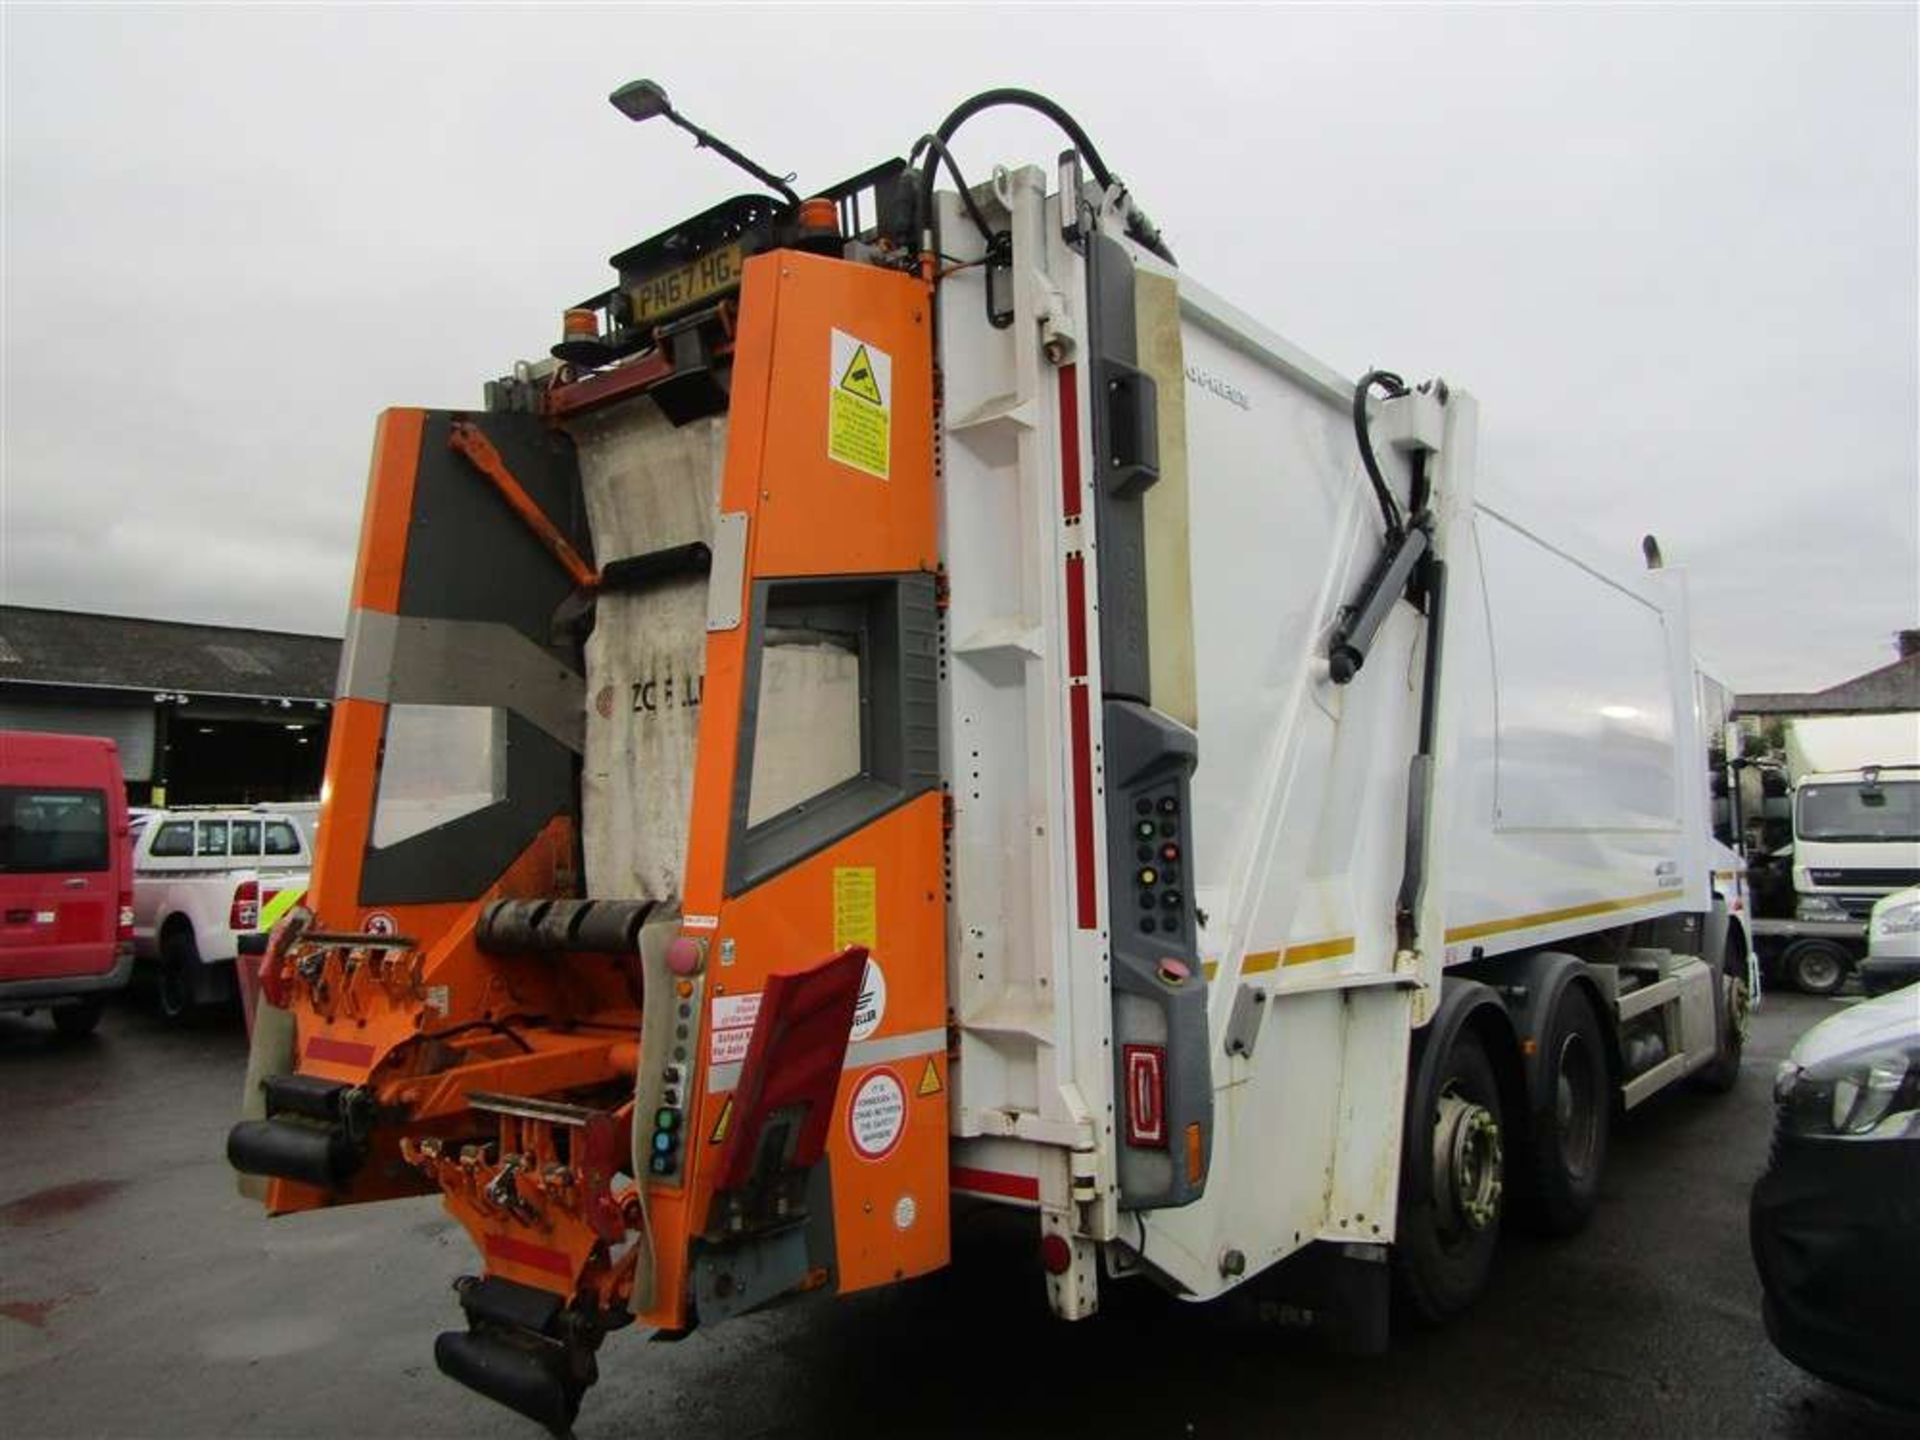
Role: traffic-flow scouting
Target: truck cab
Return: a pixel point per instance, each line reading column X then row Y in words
column 1856, row 838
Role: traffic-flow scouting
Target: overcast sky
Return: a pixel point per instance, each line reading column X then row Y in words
column 1672, row 250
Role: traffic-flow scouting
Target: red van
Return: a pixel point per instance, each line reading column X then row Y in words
column 66, row 877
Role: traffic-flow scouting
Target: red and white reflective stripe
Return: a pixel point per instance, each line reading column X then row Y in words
column 1070, row 441
column 1086, row 892
column 997, row 1183
column 1080, row 717
column 1145, row 1067
column 1077, row 616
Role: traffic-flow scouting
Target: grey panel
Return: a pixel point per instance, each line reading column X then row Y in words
column 898, row 620
column 729, row 571
column 459, row 860
column 409, row 660
column 471, row 559
column 129, row 727
column 1150, row 760
column 1123, row 423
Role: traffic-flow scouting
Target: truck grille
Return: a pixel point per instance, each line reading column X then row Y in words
column 1880, row 879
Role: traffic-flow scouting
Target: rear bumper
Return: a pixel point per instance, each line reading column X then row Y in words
column 22, row 994
column 1831, row 1224
column 1881, row 973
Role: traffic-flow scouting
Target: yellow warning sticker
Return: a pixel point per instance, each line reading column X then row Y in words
column 720, row 1126
column 854, row 920
column 860, row 405
column 929, row 1080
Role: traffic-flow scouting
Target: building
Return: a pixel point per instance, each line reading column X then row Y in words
column 1888, row 690
column 202, row 714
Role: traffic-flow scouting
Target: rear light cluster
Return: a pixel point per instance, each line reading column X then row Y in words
column 1145, row 1067
column 244, row 914
column 1146, row 1072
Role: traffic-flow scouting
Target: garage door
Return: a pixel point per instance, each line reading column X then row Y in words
column 129, row 727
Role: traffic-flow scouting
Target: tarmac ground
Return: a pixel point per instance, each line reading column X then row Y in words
column 140, row 1296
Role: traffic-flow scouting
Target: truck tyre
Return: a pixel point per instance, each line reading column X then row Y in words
column 1450, row 1229
column 76, row 1022
column 179, row 958
column 1569, row 1140
column 1816, row 967
column 1732, row 1008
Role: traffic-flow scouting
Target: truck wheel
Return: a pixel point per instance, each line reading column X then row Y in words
column 1818, row 967
column 1732, row 1012
column 1569, row 1142
column 179, row 958
column 1444, row 1255
column 76, row 1022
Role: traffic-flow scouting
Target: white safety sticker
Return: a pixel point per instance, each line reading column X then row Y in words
column 877, row 1114
column 732, row 1028
column 860, row 405
column 905, row 1212
column 871, row 1008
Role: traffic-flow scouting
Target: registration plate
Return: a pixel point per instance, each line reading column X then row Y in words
column 658, row 296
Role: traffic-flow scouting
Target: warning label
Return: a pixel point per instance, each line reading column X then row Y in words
column 854, row 922
column 871, row 1008
column 877, row 1114
column 723, row 1124
column 733, row 1017
column 860, row 405
column 929, row 1080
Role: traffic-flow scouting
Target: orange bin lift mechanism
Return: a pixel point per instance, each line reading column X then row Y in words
column 504, row 1084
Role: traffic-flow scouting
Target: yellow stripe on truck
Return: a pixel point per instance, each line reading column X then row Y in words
column 1297, row 955
column 1553, row 917
column 1260, row 962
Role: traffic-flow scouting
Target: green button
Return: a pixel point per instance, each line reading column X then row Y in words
column 666, row 1119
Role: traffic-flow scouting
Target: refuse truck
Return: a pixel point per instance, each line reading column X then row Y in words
column 1852, row 803
column 916, row 702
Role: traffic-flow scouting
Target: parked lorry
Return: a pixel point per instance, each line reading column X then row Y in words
column 920, row 702
column 1852, row 802
column 66, row 907
column 200, row 876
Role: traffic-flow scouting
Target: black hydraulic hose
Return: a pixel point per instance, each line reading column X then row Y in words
column 988, row 99
column 1138, row 225
column 1394, row 386
column 940, row 152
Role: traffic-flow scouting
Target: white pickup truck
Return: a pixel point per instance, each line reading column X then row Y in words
column 200, row 877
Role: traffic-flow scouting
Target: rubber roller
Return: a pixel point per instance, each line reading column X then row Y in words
column 293, row 1150
column 522, row 1372
column 535, row 927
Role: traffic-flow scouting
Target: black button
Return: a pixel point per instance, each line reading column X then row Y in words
column 1170, row 899
column 1168, row 827
column 1143, row 806
column 1170, row 924
column 1146, row 923
column 1143, row 852
column 1146, row 899
column 1169, row 805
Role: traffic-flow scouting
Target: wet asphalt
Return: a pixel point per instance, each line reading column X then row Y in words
column 140, row 1296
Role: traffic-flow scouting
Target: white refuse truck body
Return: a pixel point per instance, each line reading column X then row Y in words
column 1568, row 790
column 1030, row 735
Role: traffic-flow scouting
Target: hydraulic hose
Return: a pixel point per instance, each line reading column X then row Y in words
column 1139, row 226
column 1394, row 386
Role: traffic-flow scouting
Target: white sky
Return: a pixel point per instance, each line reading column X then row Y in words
column 1672, row 250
